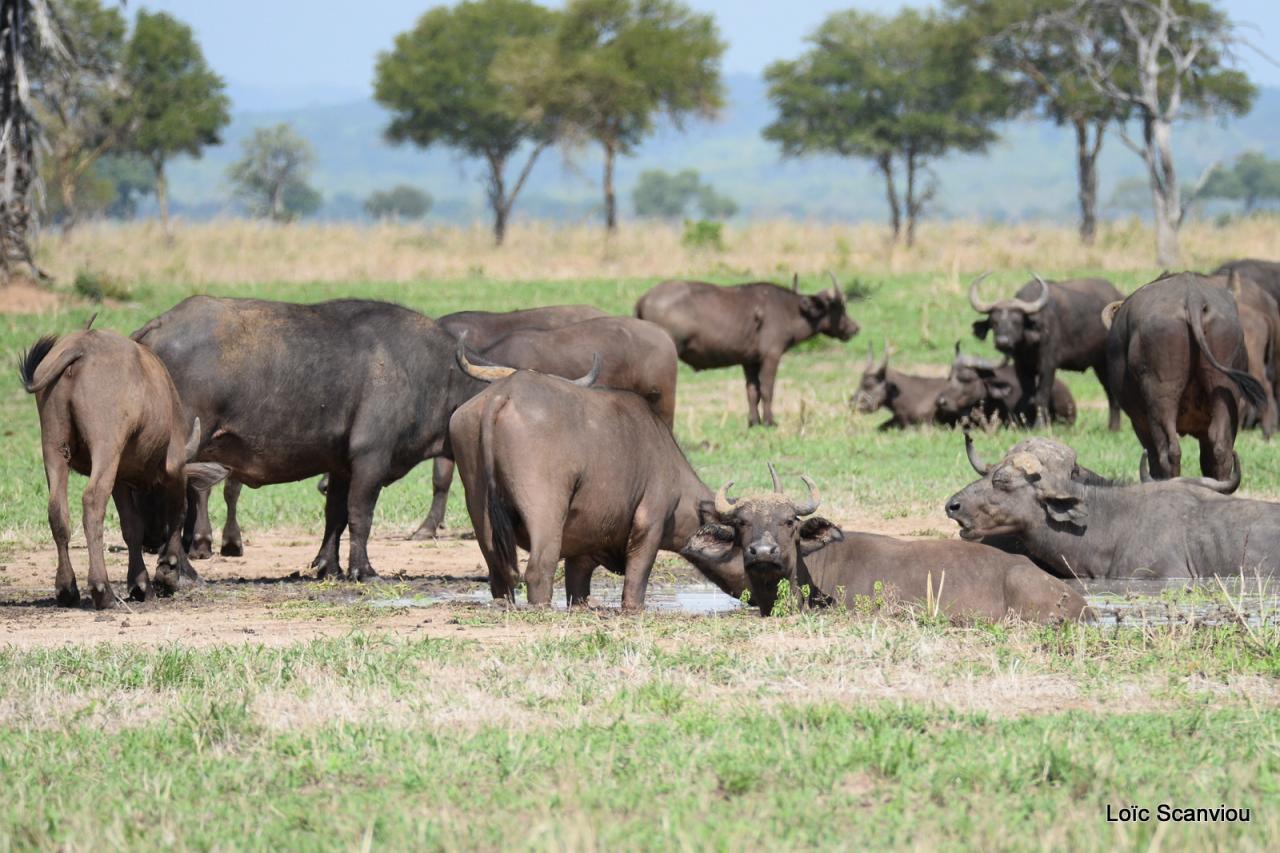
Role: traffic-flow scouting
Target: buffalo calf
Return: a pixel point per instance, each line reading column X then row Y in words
column 912, row 400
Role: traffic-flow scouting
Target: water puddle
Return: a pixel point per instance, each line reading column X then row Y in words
column 1199, row 602
column 693, row 598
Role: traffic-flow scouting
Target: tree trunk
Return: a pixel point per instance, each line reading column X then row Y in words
column 1087, row 176
column 885, row 163
column 1165, row 198
column 67, row 192
column 498, row 201
column 610, row 197
column 913, row 206
column 162, row 198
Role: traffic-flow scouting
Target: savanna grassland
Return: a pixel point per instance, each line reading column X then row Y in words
column 265, row 711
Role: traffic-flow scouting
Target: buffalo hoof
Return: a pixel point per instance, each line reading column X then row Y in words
column 69, row 597
column 232, row 549
column 424, row 533
column 102, row 597
column 142, row 592
column 365, row 575
column 201, row 549
column 327, row 571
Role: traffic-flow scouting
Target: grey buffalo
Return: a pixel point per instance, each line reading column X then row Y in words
column 911, row 400
column 982, row 392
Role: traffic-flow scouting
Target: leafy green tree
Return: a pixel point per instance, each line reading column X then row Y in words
column 1251, row 179
column 437, row 83
column 131, row 177
column 898, row 91
column 662, row 195
column 1042, row 60
column 177, row 105
column 271, row 177
column 399, row 202
column 715, row 205
column 612, row 68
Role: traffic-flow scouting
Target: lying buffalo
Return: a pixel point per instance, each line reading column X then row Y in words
column 1260, row 322
column 982, row 392
column 357, row 389
column 1164, row 528
column 959, row 579
column 1178, row 362
column 1047, row 327
column 588, row 474
column 748, row 324
column 912, row 400
column 109, row 411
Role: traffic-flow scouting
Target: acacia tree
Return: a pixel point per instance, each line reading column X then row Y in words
column 899, row 91
column 438, row 85
column 1043, row 59
column 177, row 104
column 271, row 177
column 1163, row 60
column 612, row 68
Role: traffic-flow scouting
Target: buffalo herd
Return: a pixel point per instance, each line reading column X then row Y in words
column 559, row 421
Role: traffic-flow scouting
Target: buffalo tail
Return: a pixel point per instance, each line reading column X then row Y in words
column 501, row 528
column 33, row 358
column 1250, row 387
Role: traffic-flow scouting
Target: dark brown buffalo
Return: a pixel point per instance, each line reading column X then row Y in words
column 984, row 393
column 961, row 580
column 1159, row 529
column 1260, row 322
column 588, row 474
column 912, row 400
column 109, row 411
column 1178, row 362
column 748, row 324
column 1266, row 274
column 1047, row 327
column 636, row 356
column 357, row 389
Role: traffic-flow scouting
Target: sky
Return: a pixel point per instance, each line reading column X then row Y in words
column 297, row 53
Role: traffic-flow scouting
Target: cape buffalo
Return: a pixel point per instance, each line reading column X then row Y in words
column 959, row 579
column 357, row 389
column 748, row 324
column 1046, row 327
column 109, row 411
column 1164, row 528
column 636, row 356
column 912, row 400
column 1176, row 356
column 588, row 474
column 977, row 390
column 1266, row 274
column 1260, row 322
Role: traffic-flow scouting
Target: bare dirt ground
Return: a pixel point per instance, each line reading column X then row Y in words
column 27, row 298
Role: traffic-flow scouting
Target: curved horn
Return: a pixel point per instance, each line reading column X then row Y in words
column 724, row 504
column 871, row 356
column 193, row 443
column 1225, row 487
column 1036, row 305
column 885, row 361
column 1109, row 313
column 592, row 375
column 89, row 323
column 812, row 504
column 977, row 304
column 484, row 374
column 957, row 351
column 777, row 483
column 1144, row 469
column 836, row 292
column 795, row 282
column 974, row 459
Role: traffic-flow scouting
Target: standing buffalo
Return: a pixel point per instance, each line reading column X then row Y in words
column 1161, row 529
column 1260, row 322
column 979, row 391
column 588, row 474
column 357, row 389
column 109, row 411
column 1050, row 326
column 959, row 579
column 1176, row 355
column 912, row 400
column 748, row 324
column 636, row 356
column 1266, row 274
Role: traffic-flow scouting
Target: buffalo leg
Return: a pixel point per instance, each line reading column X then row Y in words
column 64, row 584
column 200, row 546
column 132, row 527
column 577, row 580
column 752, row 373
column 441, row 479
column 1113, row 400
column 232, row 543
column 102, row 481
column 366, row 484
column 1166, row 462
column 768, row 373
column 641, row 553
column 174, row 569
column 335, row 521
column 1216, row 445
column 544, row 556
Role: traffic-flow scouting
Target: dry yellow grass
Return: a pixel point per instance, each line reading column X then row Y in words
column 237, row 251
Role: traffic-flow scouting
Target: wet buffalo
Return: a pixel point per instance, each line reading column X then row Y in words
column 109, row 411
column 912, row 400
column 748, row 324
column 357, row 389
column 587, row 474
column 1177, row 360
column 1095, row 529
column 959, row 579
column 1047, row 327
column 982, row 392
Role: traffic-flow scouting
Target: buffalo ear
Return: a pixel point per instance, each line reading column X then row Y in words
column 999, row 389
column 707, row 513
column 204, row 475
column 817, row 533
column 980, row 328
column 711, row 543
column 1064, row 508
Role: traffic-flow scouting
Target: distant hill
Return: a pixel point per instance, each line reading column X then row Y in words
column 1028, row 174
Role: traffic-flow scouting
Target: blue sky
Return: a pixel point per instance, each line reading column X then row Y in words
column 302, row 52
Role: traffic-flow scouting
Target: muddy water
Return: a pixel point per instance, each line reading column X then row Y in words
column 1198, row 602
column 696, row 597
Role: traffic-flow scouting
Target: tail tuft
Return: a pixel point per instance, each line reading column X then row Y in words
column 30, row 360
